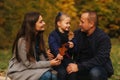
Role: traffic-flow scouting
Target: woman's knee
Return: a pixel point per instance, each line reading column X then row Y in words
column 46, row 76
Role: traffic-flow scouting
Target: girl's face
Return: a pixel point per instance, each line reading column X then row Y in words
column 39, row 26
column 64, row 23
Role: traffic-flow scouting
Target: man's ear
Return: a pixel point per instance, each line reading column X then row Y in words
column 92, row 23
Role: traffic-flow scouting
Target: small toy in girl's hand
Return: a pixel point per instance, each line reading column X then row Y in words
column 63, row 49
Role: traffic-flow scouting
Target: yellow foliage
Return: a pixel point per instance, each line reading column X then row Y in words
column 114, row 27
column 1, row 21
column 67, row 6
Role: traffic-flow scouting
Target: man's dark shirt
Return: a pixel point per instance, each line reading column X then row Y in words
column 93, row 50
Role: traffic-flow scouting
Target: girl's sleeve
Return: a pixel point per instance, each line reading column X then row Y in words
column 53, row 45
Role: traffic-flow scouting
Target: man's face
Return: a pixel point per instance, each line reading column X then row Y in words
column 84, row 23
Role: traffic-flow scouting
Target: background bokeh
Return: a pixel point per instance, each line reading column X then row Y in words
column 12, row 13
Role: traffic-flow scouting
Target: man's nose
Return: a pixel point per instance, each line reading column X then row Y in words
column 79, row 23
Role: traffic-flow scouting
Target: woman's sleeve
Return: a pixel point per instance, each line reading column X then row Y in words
column 23, row 56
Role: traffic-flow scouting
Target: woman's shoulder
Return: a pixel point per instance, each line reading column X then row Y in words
column 21, row 41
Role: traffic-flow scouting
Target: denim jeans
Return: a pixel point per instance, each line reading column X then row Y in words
column 96, row 73
column 48, row 76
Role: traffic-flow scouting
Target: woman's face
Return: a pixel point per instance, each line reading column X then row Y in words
column 39, row 26
column 64, row 23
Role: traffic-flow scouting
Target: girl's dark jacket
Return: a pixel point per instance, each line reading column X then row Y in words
column 55, row 43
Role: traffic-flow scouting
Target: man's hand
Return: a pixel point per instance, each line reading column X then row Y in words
column 72, row 67
column 71, row 44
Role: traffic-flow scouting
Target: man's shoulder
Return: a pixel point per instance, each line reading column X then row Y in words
column 101, row 33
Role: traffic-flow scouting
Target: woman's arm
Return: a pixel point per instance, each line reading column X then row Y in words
column 23, row 56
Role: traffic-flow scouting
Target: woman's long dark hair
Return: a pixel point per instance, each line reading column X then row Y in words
column 28, row 32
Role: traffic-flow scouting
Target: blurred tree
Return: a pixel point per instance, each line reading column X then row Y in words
column 48, row 11
column 12, row 13
column 108, row 12
column 67, row 6
column 2, row 22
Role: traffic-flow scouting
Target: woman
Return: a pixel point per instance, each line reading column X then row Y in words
column 29, row 55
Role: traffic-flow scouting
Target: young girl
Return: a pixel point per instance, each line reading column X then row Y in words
column 29, row 56
column 56, row 39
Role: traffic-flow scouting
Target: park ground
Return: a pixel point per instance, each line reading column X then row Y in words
column 115, row 56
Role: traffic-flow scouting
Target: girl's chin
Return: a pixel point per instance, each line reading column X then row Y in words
column 67, row 29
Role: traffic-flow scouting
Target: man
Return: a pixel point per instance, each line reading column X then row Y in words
column 92, row 50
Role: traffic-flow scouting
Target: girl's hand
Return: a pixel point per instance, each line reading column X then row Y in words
column 59, row 57
column 71, row 44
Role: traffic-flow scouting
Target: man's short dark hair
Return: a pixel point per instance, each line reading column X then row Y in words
column 92, row 16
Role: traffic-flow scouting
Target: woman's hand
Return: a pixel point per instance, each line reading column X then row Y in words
column 55, row 62
column 50, row 55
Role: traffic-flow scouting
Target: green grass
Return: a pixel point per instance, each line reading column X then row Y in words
column 115, row 56
column 5, row 55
